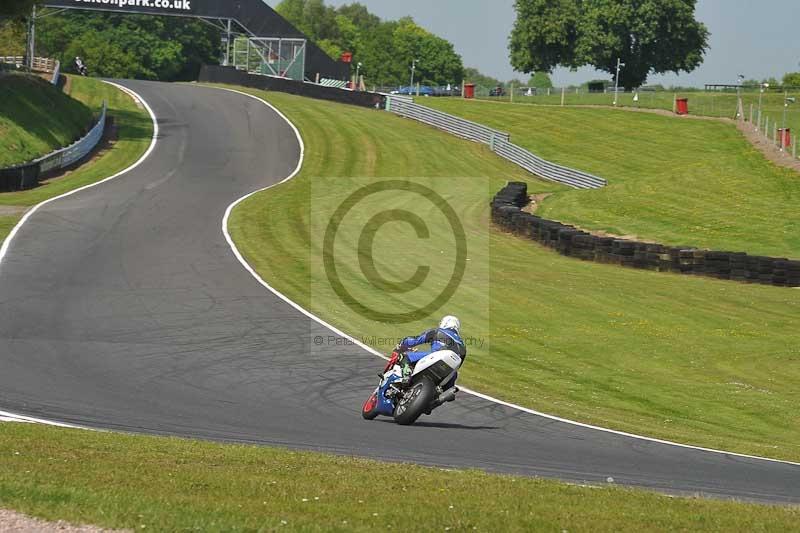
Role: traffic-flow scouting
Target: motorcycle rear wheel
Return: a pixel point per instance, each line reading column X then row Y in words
column 414, row 402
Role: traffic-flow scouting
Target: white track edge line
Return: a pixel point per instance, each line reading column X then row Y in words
column 14, row 417
column 7, row 242
column 337, row 331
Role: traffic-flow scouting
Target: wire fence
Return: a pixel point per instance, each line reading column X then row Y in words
column 775, row 132
column 498, row 141
column 773, row 112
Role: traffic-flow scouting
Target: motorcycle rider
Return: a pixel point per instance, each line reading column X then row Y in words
column 446, row 337
column 80, row 66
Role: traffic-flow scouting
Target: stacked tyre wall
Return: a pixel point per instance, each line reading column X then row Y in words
column 507, row 212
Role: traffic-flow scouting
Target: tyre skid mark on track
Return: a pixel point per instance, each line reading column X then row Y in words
column 368, row 349
column 497, row 402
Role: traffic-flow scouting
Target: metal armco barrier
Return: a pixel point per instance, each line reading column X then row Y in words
column 27, row 175
column 231, row 76
column 498, row 141
column 444, row 121
column 572, row 242
column 17, row 61
column 56, row 73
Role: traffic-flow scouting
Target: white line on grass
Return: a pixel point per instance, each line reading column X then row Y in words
column 7, row 243
column 337, row 331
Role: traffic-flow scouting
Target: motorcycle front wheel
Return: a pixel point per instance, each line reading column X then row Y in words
column 370, row 408
column 414, row 402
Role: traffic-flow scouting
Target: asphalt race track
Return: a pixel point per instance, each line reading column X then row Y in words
column 123, row 307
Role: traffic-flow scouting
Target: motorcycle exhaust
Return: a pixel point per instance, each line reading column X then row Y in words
column 447, row 396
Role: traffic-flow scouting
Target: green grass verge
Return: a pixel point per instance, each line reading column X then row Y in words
column 161, row 484
column 699, row 361
column 37, row 118
column 679, row 182
column 6, row 224
column 135, row 130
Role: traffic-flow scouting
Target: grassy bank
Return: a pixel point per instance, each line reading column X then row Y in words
column 679, row 182
column 37, row 118
column 160, row 484
column 135, row 130
column 694, row 360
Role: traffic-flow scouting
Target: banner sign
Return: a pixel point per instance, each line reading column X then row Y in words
column 167, row 5
column 149, row 7
column 255, row 17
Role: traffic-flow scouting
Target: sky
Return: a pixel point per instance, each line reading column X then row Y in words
column 757, row 38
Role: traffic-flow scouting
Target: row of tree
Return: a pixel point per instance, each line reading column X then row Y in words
column 119, row 46
column 790, row 79
column 645, row 36
column 385, row 49
column 130, row 46
column 166, row 48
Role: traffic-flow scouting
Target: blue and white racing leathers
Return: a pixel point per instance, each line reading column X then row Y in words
column 439, row 339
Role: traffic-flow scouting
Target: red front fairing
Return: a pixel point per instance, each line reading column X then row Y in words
column 393, row 361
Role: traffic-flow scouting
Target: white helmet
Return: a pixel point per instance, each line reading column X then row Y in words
column 450, row 322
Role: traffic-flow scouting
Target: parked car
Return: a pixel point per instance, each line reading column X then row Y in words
column 497, row 91
column 447, row 90
column 424, row 90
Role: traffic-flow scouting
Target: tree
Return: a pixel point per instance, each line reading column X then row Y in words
column 292, row 10
column 792, row 79
column 473, row 75
column 540, row 80
column 312, row 17
column 376, row 52
column 16, row 8
column 437, row 61
column 360, row 16
column 130, row 46
column 649, row 36
column 385, row 48
column 544, row 35
column 12, row 38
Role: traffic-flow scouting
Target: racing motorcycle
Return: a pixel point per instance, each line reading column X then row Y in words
column 406, row 398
